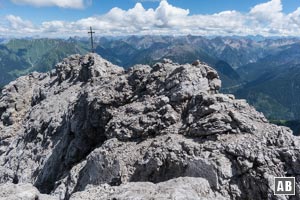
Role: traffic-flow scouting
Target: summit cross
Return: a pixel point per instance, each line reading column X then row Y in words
column 92, row 40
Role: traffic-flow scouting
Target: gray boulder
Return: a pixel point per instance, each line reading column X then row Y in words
column 26, row 191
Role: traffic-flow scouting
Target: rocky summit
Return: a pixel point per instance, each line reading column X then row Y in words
column 92, row 130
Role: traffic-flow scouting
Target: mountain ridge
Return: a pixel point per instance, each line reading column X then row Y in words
column 240, row 62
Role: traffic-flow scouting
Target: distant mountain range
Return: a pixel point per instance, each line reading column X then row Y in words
column 264, row 71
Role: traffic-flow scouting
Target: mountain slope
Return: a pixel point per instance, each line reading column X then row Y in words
column 20, row 56
column 273, row 83
column 283, row 58
column 282, row 86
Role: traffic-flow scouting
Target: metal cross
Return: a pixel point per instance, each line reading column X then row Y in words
column 92, row 40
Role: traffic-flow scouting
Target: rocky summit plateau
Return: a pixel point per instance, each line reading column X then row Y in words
column 92, row 130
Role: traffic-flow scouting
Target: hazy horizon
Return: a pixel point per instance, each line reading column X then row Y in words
column 87, row 37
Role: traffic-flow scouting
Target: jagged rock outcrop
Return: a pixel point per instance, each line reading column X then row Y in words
column 90, row 128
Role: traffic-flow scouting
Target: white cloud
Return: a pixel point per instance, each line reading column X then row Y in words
column 60, row 3
column 17, row 25
column 270, row 7
column 268, row 12
column 17, row 22
column 265, row 19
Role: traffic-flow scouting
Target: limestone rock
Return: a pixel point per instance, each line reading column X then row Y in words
column 184, row 188
column 90, row 128
column 11, row 191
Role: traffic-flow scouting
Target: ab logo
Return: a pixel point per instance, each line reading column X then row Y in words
column 284, row 186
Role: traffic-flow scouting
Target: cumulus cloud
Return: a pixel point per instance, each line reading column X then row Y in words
column 18, row 26
column 17, row 22
column 266, row 19
column 268, row 12
column 13, row 26
column 60, row 3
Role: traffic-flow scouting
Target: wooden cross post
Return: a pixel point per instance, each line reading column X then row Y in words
column 92, row 40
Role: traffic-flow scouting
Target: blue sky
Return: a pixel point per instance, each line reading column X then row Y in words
column 38, row 14
column 125, row 17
